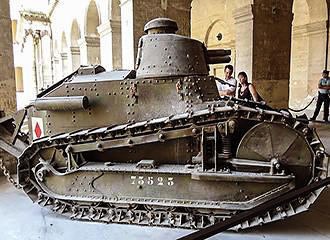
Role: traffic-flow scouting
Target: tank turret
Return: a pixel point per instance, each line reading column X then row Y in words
column 163, row 53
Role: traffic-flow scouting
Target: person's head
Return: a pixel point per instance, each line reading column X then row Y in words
column 228, row 71
column 243, row 78
column 325, row 73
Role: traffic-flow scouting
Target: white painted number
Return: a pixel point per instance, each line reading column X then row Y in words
column 159, row 181
column 150, row 180
column 133, row 178
column 170, row 181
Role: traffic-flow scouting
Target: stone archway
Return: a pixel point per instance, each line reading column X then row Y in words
column 308, row 49
column 90, row 43
column 110, row 36
column 74, row 49
column 207, row 22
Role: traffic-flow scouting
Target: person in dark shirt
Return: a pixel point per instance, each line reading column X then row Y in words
column 247, row 90
column 323, row 96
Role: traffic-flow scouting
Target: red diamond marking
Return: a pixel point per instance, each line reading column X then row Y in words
column 37, row 130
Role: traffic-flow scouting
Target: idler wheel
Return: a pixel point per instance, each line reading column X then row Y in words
column 268, row 142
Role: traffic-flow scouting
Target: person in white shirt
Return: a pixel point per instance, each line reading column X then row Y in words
column 228, row 89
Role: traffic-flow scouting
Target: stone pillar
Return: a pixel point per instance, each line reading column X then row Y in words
column 243, row 17
column 317, row 35
column 136, row 13
column 110, row 43
column 263, row 41
column 89, row 50
column 29, row 69
column 64, row 60
column 47, row 74
column 7, row 69
column 74, row 58
column 127, row 31
column 271, row 50
column 299, row 66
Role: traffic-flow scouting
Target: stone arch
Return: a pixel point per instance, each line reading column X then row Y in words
column 90, row 43
column 308, row 48
column 74, row 49
column 218, row 26
column 207, row 23
column 92, row 20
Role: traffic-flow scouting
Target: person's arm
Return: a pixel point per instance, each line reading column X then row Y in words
column 227, row 93
column 321, row 86
column 253, row 92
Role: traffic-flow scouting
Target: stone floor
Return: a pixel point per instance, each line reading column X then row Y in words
column 23, row 220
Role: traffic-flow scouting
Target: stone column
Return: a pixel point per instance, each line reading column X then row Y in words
column 136, row 13
column 243, row 17
column 127, row 31
column 47, row 74
column 74, row 58
column 110, row 43
column 89, row 50
column 299, row 66
column 263, row 41
column 7, row 73
column 271, row 50
column 29, row 68
column 64, row 60
column 7, row 69
column 317, row 35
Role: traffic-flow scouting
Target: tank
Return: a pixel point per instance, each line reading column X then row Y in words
column 158, row 146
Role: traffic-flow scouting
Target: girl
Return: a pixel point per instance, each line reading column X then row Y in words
column 247, row 90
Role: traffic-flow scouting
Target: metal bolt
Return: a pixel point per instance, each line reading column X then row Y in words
column 161, row 136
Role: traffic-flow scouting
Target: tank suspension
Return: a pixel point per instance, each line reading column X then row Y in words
column 226, row 145
column 226, row 129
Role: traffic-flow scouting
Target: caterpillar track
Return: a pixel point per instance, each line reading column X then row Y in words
column 158, row 146
column 33, row 169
